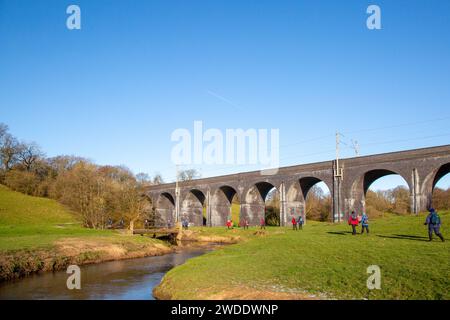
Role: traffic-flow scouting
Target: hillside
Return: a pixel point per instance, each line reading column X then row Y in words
column 32, row 222
column 40, row 234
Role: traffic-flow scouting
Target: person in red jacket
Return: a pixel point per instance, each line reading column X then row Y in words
column 263, row 223
column 353, row 221
column 294, row 224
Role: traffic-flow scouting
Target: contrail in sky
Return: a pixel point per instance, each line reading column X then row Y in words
column 218, row 96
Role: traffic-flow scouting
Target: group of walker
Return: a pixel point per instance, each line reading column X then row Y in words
column 433, row 221
column 297, row 224
column 245, row 224
column 354, row 220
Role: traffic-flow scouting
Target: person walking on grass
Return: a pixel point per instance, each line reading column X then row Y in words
column 364, row 223
column 300, row 222
column 353, row 221
column 294, row 224
column 246, row 224
column 263, row 223
column 433, row 222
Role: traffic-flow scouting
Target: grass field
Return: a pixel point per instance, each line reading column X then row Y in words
column 324, row 260
column 36, row 223
column 38, row 234
column 32, row 222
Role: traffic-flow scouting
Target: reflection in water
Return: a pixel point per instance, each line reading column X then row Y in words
column 123, row 280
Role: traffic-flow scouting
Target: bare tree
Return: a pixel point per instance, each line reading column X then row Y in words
column 9, row 151
column 28, row 154
column 64, row 163
column 318, row 204
column 3, row 130
column 132, row 203
column 157, row 179
column 117, row 173
column 187, row 175
column 84, row 190
column 441, row 199
column 143, row 178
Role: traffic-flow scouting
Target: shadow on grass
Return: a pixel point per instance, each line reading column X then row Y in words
column 341, row 233
column 409, row 236
column 404, row 237
column 394, row 236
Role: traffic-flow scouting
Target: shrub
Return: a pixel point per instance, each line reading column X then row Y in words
column 23, row 181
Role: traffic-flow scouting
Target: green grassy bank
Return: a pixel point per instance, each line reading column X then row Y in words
column 39, row 234
column 322, row 261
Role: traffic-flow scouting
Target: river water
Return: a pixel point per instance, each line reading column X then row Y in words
column 117, row 280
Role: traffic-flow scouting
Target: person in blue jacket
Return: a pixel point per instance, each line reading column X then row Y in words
column 434, row 225
column 364, row 223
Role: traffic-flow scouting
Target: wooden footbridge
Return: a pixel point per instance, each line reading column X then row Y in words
column 159, row 233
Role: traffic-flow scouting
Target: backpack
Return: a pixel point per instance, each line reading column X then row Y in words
column 435, row 219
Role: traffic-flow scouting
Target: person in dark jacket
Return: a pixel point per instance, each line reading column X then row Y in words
column 364, row 223
column 246, row 224
column 185, row 224
column 433, row 222
column 300, row 222
column 353, row 221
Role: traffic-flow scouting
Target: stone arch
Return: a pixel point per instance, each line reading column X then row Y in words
column 441, row 172
column 192, row 207
column 148, row 218
column 164, row 209
column 362, row 183
column 221, row 202
column 297, row 194
column 295, row 201
column 253, row 208
column 430, row 182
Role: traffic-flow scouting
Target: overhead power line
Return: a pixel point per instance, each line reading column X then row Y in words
column 399, row 125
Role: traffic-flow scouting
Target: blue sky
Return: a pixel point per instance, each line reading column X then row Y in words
column 115, row 90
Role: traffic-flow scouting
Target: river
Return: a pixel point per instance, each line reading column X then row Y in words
column 117, row 280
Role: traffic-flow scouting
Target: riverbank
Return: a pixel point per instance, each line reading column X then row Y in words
column 38, row 234
column 323, row 261
column 79, row 251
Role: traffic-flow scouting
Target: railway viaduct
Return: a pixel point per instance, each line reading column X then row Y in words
column 348, row 185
